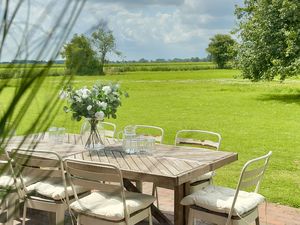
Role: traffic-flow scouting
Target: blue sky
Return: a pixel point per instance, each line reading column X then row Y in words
column 147, row 28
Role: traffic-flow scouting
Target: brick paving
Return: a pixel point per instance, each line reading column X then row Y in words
column 270, row 214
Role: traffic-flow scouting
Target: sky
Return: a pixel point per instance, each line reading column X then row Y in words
column 147, row 29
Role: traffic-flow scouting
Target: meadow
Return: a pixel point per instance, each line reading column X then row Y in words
column 252, row 118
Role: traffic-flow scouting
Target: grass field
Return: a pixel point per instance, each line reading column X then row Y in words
column 253, row 118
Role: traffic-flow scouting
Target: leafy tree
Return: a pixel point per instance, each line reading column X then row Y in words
column 80, row 57
column 103, row 42
column 221, row 49
column 270, row 38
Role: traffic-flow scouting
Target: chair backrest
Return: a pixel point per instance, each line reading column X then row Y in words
column 7, row 183
column 109, row 129
column 6, row 172
column 251, row 176
column 96, row 176
column 4, row 167
column 153, row 131
column 36, row 165
column 205, row 139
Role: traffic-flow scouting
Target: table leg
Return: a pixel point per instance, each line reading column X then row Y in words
column 139, row 185
column 156, row 213
column 179, row 211
column 187, row 188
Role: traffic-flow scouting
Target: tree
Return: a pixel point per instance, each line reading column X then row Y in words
column 103, row 42
column 221, row 49
column 270, row 38
column 80, row 57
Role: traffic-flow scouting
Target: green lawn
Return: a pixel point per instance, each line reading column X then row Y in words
column 253, row 118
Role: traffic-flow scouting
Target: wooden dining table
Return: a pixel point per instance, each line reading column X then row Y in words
column 168, row 166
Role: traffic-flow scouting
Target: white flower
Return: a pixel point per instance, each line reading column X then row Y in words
column 63, row 94
column 89, row 107
column 79, row 92
column 99, row 115
column 103, row 105
column 78, row 99
column 106, row 89
column 85, row 93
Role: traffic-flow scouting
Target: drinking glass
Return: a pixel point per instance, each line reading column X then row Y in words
column 60, row 135
column 149, row 145
column 52, row 131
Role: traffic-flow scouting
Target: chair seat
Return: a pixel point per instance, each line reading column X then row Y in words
column 206, row 176
column 6, row 181
column 109, row 206
column 219, row 199
column 53, row 188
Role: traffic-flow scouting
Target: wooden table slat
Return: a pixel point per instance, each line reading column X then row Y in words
column 140, row 163
column 131, row 164
column 160, row 166
column 120, row 160
column 102, row 156
column 168, row 164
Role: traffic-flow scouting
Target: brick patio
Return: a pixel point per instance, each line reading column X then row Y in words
column 272, row 215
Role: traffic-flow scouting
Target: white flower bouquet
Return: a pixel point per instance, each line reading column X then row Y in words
column 98, row 102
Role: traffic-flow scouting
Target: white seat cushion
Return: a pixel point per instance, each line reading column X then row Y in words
column 206, row 176
column 53, row 188
column 219, row 199
column 110, row 206
column 6, row 181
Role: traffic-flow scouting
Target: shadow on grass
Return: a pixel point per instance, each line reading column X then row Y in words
column 284, row 98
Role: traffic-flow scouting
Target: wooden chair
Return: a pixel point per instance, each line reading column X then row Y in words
column 203, row 139
column 226, row 206
column 43, row 182
column 108, row 204
column 10, row 198
column 152, row 131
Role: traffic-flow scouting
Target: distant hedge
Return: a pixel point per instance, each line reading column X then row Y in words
column 6, row 73
column 22, row 70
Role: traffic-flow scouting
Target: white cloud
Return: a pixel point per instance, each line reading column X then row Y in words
column 153, row 29
column 165, row 24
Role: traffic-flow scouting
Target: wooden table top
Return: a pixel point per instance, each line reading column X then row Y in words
column 167, row 166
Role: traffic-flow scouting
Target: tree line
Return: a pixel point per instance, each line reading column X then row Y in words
column 267, row 45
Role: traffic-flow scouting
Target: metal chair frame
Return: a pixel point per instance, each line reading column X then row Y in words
column 10, row 201
column 202, row 143
column 32, row 162
column 248, row 178
column 105, row 178
column 158, row 139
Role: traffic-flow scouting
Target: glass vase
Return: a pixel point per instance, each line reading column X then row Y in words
column 92, row 133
